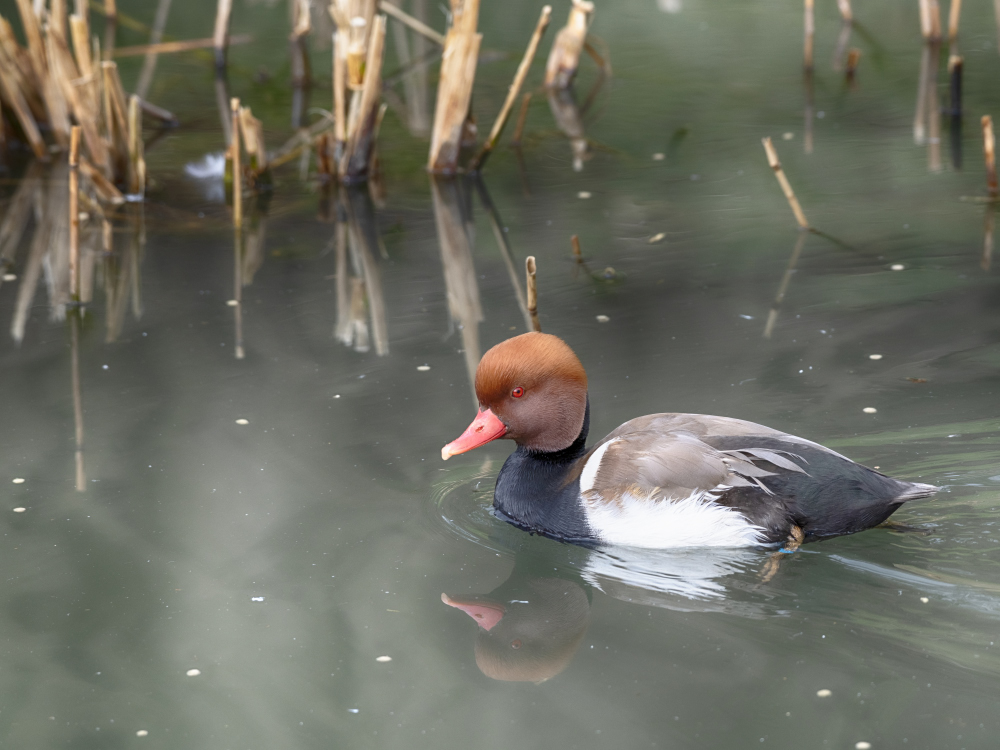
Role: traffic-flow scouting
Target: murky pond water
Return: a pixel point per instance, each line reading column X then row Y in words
column 282, row 556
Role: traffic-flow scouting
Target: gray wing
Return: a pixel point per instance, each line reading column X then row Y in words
column 665, row 456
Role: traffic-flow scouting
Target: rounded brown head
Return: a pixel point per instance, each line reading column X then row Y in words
column 532, row 389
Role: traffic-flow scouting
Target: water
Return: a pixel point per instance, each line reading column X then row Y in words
column 282, row 557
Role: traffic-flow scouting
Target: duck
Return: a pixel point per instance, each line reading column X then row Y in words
column 659, row 481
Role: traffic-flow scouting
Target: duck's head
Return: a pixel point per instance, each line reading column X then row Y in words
column 532, row 389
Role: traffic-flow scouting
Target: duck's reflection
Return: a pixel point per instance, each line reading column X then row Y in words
column 532, row 624
column 529, row 627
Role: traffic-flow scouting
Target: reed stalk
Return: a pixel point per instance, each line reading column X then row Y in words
column 221, row 32
column 772, row 316
column 80, row 476
column 145, row 79
column 954, row 15
column 234, row 155
column 532, row 287
column 74, row 213
column 361, row 138
column 930, row 20
column 515, row 88
column 22, row 111
column 844, row 6
column 989, row 156
column 407, row 20
column 458, row 73
column 564, row 59
column 786, row 188
column 136, row 159
column 810, row 33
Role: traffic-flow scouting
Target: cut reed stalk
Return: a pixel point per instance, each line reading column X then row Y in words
column 458, row 73
column 407, row 20
column 515, row 88
column 340, row 42
column 74, row 214
column 564, row 59
column 522, row 117
column 845, row 10
column 221, row 32
column 577, row 253
column 786, row 188
column 989, row 156
column 361, row 140
column 954, row 15
column 810, row 33
column 532, row 287
column 104, row 188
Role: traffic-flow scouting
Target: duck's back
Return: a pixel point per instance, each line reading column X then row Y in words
column 690, row 479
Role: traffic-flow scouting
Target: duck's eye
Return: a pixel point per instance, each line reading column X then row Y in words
column 517, row 392
column 516, row 643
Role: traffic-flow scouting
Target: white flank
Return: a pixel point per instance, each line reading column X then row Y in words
column 642, row 521
column 590, row 469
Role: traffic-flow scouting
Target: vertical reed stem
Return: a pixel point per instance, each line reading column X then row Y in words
column 810, row 32
column 529, row 267
column 74, row 213
column 221, row 34
column 845, row 10
column 234, row 151
column 989, row 146
column 786, row 188
column 954, row 13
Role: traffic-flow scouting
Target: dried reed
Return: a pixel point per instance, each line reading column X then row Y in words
column 532, row 287
column 219, row 37
column 522, row 117
column 954, row 14
column 786, row 188
column 810, row 33
column 74, row 214
column 458, row 73
column 515, row 88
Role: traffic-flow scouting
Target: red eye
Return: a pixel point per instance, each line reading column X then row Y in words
column 517, row 392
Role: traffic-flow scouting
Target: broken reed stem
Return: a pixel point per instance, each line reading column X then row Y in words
column 221, row 31
column 786, row 188
column 845, row 10
column 522, row 117
column 954, row 13
column 407, row 20
column 577, row 254
column 989, row 154
column 530, row 268
column 74, row 213
column 810, row 32
column 234, row 150
column 515, row 88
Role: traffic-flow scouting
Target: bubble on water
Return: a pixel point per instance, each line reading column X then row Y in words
column 824, row 693
column 256, row 598
column 874, row 356
column 897, row 267
column 583, row 194
column 193, row 672
column 423, row 368
column 232, row 302
column 142, row 733
column 242, row 421
column 353, row 710
column 19, row 509
column 383, row 659
column 656, row 238
column 863, row 745
column 924, row 599
column 869, row 410
column 603, row 318
column 18, row 480
column 10, row 277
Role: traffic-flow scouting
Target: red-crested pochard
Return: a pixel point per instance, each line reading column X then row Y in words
column 663, row 480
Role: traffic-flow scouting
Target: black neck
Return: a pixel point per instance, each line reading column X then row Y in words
column 534, row 489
